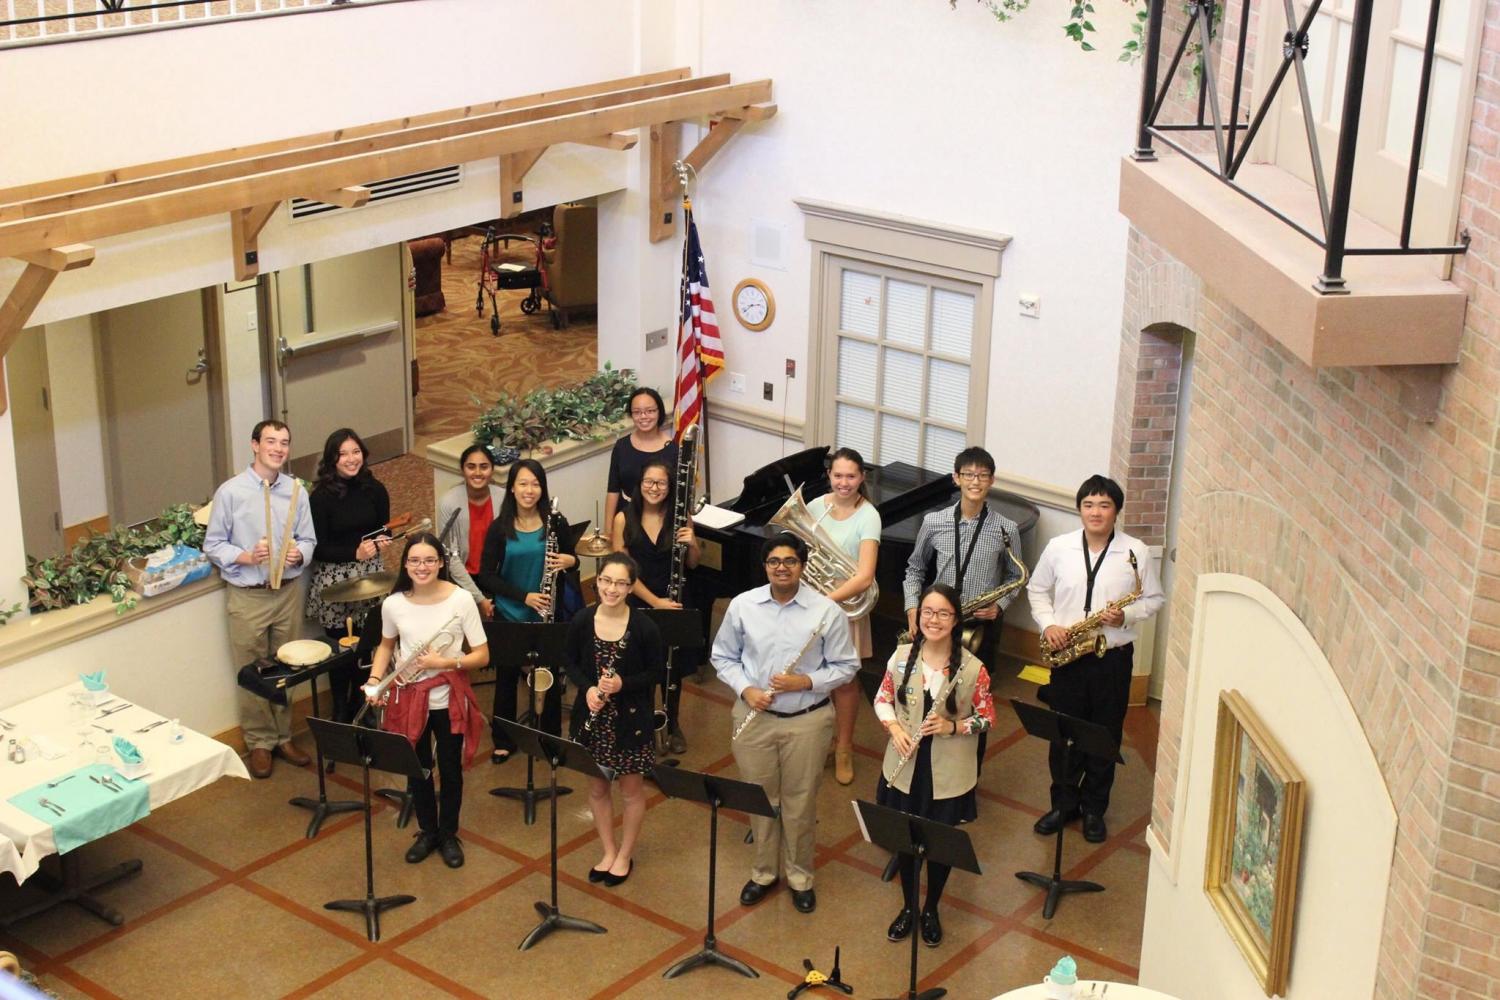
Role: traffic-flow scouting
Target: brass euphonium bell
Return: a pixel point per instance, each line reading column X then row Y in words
column 828, row 565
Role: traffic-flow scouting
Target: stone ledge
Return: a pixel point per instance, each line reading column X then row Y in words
column 1398, row 312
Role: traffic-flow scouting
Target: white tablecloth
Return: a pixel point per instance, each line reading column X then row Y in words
column 1116, row 991
column 176, row 768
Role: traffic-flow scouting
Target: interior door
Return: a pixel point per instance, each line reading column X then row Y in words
column 339, row 344
column 161, row 423
column 35, row 443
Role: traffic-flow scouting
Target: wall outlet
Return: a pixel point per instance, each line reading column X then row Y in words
column 655, row 339
column 791, row 367
column 736, row 383
column 767, row 391
column 1031, row 305
column 252, row 322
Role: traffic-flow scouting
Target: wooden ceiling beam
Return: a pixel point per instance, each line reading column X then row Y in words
column 65, row 258
column 614, row 140
column 245, row 225
column 102, row 178
column 665, row 187
column 328, row 152
column 95, row 222
column 513, row 170
column 354, row 196
column 42, row 268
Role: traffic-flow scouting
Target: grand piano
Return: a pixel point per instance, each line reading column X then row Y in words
column 901, row 492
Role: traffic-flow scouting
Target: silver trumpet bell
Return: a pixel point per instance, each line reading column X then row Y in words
column 828, row 566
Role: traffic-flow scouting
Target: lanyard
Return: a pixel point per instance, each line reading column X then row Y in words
column 961, row 566
column 1091, row 570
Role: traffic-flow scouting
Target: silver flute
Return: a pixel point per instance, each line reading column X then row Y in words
column 916, row 741
column 789, row 668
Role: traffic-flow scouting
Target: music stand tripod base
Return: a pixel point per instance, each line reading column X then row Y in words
column 1056, row 885
column 553, row 920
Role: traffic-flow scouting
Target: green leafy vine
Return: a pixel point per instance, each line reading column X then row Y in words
column 570, row 412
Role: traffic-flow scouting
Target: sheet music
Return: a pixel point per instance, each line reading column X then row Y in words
column 717, row 517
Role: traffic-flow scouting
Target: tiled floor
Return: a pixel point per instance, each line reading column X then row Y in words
column 230, row 901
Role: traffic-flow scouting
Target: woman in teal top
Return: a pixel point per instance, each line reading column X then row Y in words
column 852, row 521
column 510, row 573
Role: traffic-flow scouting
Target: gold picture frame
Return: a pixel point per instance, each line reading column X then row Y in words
column 1255, row 840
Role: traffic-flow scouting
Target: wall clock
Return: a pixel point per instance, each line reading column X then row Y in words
column 753, row 305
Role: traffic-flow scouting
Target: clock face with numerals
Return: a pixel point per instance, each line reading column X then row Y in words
column 753, row 304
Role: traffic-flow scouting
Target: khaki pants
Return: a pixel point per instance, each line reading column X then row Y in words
column 785, row 757
column 259, row 622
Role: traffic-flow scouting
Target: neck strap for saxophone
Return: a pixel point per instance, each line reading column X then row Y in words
column 961, row 566
column 1091, row 570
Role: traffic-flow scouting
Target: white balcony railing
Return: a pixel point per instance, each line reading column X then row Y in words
column 24, row 22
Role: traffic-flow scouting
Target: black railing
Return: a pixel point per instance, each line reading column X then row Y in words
column 1232, row 139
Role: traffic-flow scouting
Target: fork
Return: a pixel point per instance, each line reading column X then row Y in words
column 104, row 728
column 53, row 806
column 102, row 783
column 152, row 725
column 7, row 725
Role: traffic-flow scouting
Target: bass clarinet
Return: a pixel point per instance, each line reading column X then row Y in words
column 549, row 574
column 683, row 509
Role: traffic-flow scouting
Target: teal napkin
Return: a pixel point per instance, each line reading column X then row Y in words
column 127, row 750
column 93, row 681
column 90, row 810
column 1065, row 972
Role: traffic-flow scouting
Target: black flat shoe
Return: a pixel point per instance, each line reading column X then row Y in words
column 424, row 845
column 932, row 929
column 452, row 852
column 900, row 927
column 1054, row 821
column 595, row 875
column 805, row 900
column 499, row 756
column 754, row 892
column 611, row 880
column 1094, row 830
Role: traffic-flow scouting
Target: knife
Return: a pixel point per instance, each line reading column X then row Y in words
column 112, row 711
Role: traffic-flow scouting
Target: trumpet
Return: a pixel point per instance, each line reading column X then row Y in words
column 440, row 642
column 790, row 667
column 1087, row 635
column 902, row 759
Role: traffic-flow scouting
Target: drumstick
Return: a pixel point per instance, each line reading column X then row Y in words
column 286, row 537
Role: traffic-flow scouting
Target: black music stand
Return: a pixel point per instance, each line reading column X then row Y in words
column 381, row 751
column 529, row 645
column 921, row 840
column 1073, row 735
column 681, row 628
column 557, row 752
column 713, row 791
column 321, row 807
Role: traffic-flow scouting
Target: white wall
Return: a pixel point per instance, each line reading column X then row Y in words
column 1244, row 638
column 75, row 419
column 12, row 545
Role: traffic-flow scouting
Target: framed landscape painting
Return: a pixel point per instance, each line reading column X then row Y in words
column 1254, row 840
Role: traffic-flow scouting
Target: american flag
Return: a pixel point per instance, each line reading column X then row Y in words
column 700, row 352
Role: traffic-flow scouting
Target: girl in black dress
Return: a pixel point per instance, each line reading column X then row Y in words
column 934, row 701
column 614, row 659
column 648, row 441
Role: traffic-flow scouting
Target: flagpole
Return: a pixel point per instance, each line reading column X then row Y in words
column 703, row 449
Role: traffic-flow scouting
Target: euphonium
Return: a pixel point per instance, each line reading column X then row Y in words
column 970, row 635
column 828, row 565
column 1087, row 636
column 440, row 642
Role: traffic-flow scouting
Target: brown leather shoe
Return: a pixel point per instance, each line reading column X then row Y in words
column 288, row 752
column 843, row 765
column 260, row 763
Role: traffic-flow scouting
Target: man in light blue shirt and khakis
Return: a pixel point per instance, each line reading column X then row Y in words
column 782, row 648
column 260, row 536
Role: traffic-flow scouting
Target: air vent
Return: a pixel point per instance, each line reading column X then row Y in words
column 393, row 187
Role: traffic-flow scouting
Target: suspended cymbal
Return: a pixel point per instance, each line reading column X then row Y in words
column 594, row 545
column 361, row 588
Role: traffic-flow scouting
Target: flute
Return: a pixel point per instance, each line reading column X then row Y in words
column 902, row 759
column 789, row 668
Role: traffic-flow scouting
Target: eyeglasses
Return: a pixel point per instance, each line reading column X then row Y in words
column 656, row 484
column 423, row 561
column 975, row 477
column 935, row 615
column 644, row 413
column 791, row 563
column 609, row 583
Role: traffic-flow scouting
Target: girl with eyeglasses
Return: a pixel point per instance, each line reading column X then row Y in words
column 511, row 569
column 934, row 702
column 614, row 659
column 648, row 441
column 436, row 705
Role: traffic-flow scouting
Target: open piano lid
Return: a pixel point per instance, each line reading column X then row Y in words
column 767, row 485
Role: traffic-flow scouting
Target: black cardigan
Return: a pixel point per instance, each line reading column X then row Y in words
column 489, row 580
column 640, row 669
column 341, row 522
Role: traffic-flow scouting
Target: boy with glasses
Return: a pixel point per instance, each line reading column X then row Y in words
column 756, row 652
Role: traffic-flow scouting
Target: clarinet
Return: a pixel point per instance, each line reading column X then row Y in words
column 549, row 575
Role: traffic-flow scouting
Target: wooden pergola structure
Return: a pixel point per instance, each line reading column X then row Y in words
column 50, row 226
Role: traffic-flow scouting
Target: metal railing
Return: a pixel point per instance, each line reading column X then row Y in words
column 37, row 21
column 1232, row 139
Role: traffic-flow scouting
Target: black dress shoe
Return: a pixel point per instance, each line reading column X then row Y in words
column 424, row 845
column 900, row 927
column 611, row 880
column 595, row 875
column 1054, row 821
column 1094, row 830
column 754, row 892
column 932, row 929
column 805, row 900
column 452, row 852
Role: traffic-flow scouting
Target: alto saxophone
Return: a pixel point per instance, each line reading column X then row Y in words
column 789, row 668
column 1088, row 636
column 970, row 635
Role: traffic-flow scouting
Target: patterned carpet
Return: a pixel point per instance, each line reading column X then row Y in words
column 461, row 363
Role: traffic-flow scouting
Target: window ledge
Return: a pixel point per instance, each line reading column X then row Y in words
column 1398, row 311
column 443, row 455
column 26, row 637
